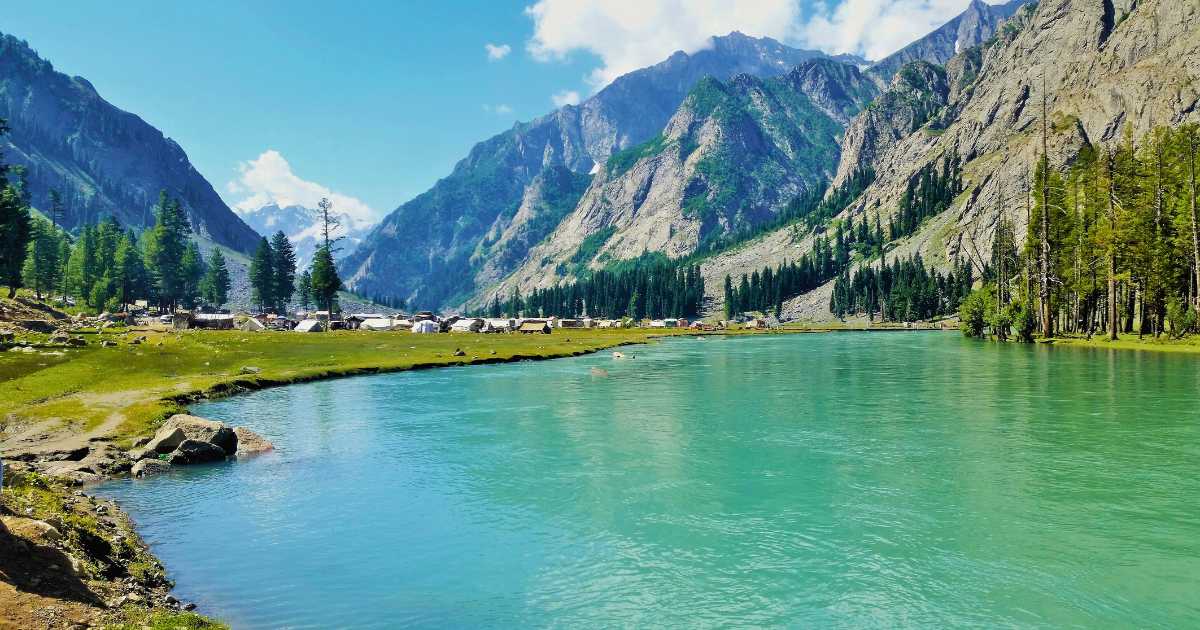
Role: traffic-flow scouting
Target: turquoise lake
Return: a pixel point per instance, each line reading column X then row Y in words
column 824, row 480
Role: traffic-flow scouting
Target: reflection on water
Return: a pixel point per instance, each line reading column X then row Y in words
column 867, row 479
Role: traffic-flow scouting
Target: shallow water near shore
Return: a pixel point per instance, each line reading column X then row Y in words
column 850, row 480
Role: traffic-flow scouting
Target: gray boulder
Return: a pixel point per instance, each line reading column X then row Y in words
column 148, row 467
column 167, row 439
column 196, row 452
column 251, row 443
column 203, row 430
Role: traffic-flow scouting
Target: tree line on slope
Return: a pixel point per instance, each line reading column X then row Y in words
column 650, row 286
column 1112, row 245
column 107, row 267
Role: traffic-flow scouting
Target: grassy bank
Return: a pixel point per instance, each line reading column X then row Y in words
column 1186, row 345
column 124, row 391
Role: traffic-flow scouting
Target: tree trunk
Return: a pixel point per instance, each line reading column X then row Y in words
column 1112, row 252
column 1195, row 220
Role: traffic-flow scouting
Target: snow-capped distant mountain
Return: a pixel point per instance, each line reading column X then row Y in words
column 303, row 228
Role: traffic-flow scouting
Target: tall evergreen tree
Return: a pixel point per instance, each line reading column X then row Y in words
column 262, row 275
column 42, row 266
column 14, row 227
column 193, row 270
column 284, row 269
column 165, row 245
column 304, row 289
column 214, row 288
column 132, row 279
column 325, row 280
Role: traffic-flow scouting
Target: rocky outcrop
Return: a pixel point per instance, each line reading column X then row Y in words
column 918, row 92
column 974, row 26
column 103, row 160
column 68, row 560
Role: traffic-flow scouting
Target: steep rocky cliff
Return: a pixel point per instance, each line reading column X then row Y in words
column 731, row 157
column 428, row 250
column 103, row 160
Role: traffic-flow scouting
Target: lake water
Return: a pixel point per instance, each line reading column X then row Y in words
column 845, row 480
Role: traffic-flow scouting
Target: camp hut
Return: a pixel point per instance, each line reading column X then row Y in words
column 424, row 315
column 467, row 325
column 569, row 323
column 310, row 325
column 658, row 323
column 425, row 327
column 532, row 327
column 251, row 324
column 214, row 321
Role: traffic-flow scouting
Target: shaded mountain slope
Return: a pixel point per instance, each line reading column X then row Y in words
column 103, row 160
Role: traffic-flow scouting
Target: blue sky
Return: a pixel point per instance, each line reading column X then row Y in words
column 374, row 101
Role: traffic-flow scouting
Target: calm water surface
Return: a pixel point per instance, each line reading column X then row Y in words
column 852, row 480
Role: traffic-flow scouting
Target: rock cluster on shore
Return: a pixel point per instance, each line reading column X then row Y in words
column 185, row 439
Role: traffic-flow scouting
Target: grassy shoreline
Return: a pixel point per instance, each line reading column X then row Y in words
column 1187, row 345
column 124, row 391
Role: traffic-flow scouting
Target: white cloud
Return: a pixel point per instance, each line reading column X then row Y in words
column 565, row 97
column 500, row 109
column 875, row 28
column 631, row 34
column 269, row 179
column 496, row 52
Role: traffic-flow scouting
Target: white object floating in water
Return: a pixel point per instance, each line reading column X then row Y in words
column 618, row 355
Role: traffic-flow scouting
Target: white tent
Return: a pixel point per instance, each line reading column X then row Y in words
column 425, row 326
column 467, row 325
column 497, row 325
column 251, row 324
column 310, row 325
column 380, row 323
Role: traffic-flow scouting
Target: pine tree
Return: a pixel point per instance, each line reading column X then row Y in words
column 262, row 275
column 304, row 289
column 165, row 245
column 42, row 266
column 132, row 280
column 215, row 286
column 284, row 269
column 325, row 280
column 14, row 227
column 193, row 269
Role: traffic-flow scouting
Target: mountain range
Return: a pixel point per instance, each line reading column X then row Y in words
column 676, row 158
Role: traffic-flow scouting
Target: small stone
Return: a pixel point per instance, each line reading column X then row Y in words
column 250, row 369
column 148, row 467
column 189, row 606
column 459, row 353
